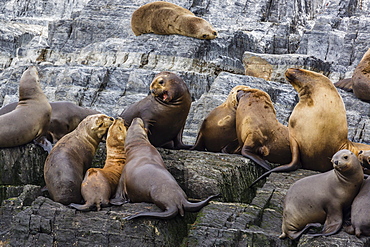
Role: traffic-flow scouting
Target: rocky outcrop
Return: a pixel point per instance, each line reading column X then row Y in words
column 87, row 54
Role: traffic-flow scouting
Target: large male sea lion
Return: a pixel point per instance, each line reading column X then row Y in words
column 360, row 81
column 30, row 118
column 317, row 125
column 218, row 131
column 146, row 179
column 164, row 111
column 322, row 198
column 65, row 116
column 168, row 18
column 100, row 184
column 261, row 136
column 360, row 212
column 71, row 156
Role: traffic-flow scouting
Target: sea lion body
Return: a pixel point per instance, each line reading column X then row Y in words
column 71, row 156
column 261, row 136
column 218, row 130
column 31, row 116
column 146, row 179
column 322, row 198
column 65, row 116
column 164, row 110
column 168, row 18
column 100, row 184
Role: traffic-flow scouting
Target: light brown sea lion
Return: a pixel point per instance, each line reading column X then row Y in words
column 100, row 184
column 168, row 18
column 146, row 179
column 218, row 131
column 261, row 136
column 31, row 116
column 322, row 198
column 360, row 212
column 65, row 116
column 317, row 125
column 164, row 111
column 360, row 81
column 71, row 156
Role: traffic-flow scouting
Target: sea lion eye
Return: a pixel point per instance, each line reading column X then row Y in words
column 161, row 82
column 214, row 33
column 204, row 36
column 345, row 157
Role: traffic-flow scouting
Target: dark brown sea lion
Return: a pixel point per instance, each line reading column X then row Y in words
column 218, row 131
column 65, row 116
column 317, row 125
column 168, row 18
column 30, row 118
column 261, row 136
column 164, row 111
column 360, row 81
column 100, row 184
column 146, row 179
column 71, row 156
column 360, row 212
column 322, row 198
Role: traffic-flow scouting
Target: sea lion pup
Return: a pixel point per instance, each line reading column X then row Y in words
column 30, row 119
column 65, row 116
column 168, row 18
column 318, row 124
column 100, row 184
column 261, row 136
column 322, row 198
column 71, row 156
column 218, row 131
column 146, row 179
column 164, row 111
column 360, row 81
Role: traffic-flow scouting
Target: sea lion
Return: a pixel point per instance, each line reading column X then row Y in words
column 30, row 119
column 168, row 18
column 66, row 164
column 318, row 124
column 65, row 116
column 360, row 81
column 218, row 131
column 164, row 111
column 261, row 136
column 360, row 211
column 146, row 179
column 322, row 198
column 99, row 184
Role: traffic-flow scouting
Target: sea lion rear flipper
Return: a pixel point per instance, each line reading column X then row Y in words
column 81, row 207
column 196, row 206
column 167, row 214
column 345, row 84
column 43, row 142
column 296, row 234
column 332, row 224
column 256, row 158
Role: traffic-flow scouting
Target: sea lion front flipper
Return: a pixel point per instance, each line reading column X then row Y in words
column 256, row 158
column 177, row 142
column 199, row 143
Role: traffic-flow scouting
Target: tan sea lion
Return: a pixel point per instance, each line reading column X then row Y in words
column 146, row 179
column 65, row 116
column 360, row 81
column 318, row 124
column 71, row 156
column 164, row 111
column 168, row 18
column 360, row 212
column 30, row 119
column 261, row 136
column 218, row 131
column 100, row 184
column 322, row 198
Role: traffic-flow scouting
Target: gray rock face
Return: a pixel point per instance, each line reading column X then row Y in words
column 87, row 53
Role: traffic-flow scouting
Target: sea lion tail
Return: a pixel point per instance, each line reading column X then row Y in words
column 81, row 207
column 167, row 214
column 196, row 206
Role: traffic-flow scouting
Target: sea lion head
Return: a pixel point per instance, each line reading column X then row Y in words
column 299, row 78
column 167, row 87
column 29, row 83
column 136, row 132
column 364, row 158
column 258, row 95
column 116, row 133
column 97, row 124
column 344, row 160
column 232, row 97
column 199, row 28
